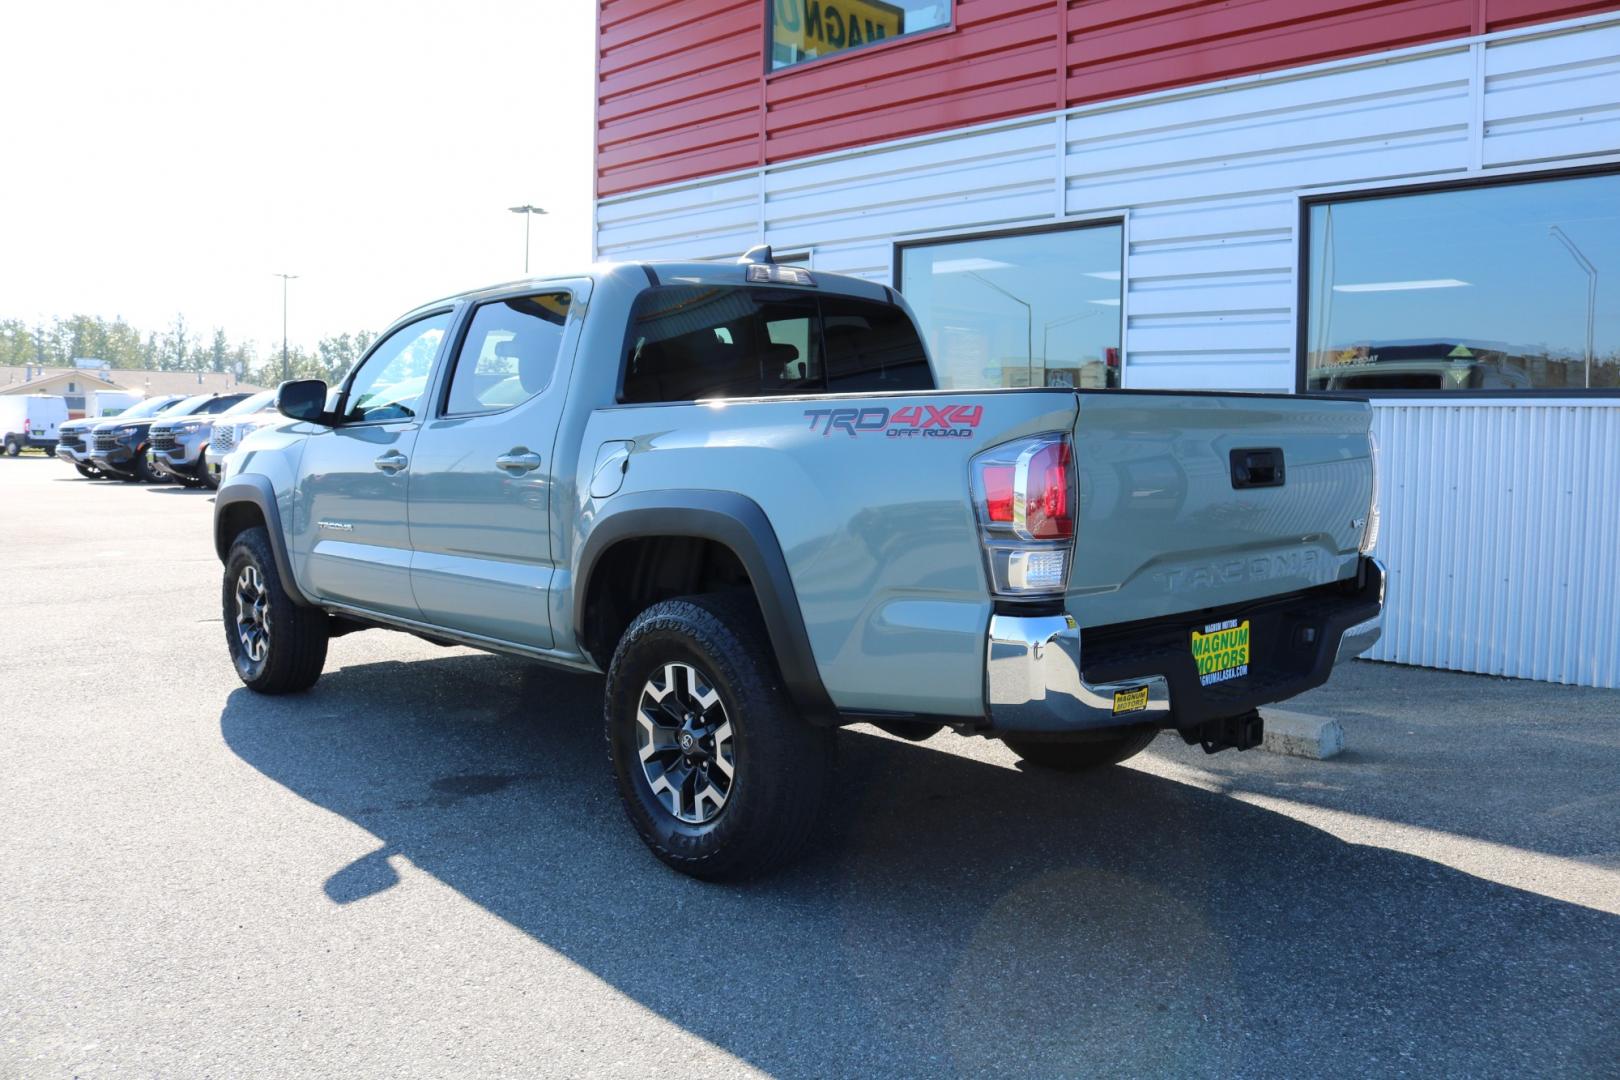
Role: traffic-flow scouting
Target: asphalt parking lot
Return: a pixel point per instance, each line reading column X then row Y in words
column 421, row 868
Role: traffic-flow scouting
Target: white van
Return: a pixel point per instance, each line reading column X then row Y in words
column 30, row 420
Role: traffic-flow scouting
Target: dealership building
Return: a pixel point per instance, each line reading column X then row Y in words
column 1415, row 200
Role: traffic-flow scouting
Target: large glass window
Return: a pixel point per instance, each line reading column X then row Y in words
column 509, row 353
column 689, row 342
column 1035, row 309
column 1476, row 288
column 806, row 29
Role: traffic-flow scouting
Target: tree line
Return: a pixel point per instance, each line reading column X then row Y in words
column 179, row 348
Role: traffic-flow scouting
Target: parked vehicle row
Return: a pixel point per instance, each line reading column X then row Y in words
column 162, row 439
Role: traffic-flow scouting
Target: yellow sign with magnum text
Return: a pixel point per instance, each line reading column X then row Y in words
column 803, row 29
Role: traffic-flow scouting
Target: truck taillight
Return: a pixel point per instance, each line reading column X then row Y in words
column 1023, row 496
column 1041, row 493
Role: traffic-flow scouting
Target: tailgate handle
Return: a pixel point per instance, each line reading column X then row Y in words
column 1257, row 468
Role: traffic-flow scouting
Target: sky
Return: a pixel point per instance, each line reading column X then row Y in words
column 171, row 157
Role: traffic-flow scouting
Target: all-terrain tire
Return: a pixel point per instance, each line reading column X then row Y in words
column 1079, row 756
column 292, row 651
column 782, row 766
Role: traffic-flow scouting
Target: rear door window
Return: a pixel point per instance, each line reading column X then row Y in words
column 689, row 342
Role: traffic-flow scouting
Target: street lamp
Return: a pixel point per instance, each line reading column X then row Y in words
column 528, row 213
column 1591, row 293
column 1029, row 321
column 286, row 369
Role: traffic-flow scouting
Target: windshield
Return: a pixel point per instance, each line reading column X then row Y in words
column 148, row 407
column 191, row 405
column 257, row 403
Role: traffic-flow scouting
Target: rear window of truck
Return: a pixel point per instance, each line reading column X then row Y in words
column 688, row 342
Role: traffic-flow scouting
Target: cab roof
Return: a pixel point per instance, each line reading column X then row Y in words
column 652, row 273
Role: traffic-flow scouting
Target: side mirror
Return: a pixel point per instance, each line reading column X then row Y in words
column 303, row 399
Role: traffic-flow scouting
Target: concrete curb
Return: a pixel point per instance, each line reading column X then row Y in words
column 1300, row 734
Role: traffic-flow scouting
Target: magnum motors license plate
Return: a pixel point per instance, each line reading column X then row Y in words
column 1222, row 651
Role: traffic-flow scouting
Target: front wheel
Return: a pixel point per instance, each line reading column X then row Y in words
column 277, row 646
column 208, row 478
column 1081, row 756
column 148, row 473
column 717, row 771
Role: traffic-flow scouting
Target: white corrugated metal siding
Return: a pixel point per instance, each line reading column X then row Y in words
column 1501, row 530
column 1208, row 180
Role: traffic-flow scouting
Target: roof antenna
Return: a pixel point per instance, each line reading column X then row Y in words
column 759, row 253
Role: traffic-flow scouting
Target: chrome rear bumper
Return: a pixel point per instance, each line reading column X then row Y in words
column 1035, row 683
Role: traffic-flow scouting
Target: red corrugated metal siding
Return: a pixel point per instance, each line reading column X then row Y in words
column 682, row 90
column 679, row 89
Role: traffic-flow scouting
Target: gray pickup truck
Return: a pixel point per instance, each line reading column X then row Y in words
column 735, row 489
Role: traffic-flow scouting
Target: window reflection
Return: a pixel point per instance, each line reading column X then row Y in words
column 1511, row 287
column 1038, row 309
column 806, row 29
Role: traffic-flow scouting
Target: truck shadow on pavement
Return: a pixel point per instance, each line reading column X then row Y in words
column 960, row 917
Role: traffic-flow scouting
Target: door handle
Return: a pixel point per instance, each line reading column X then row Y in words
column 519, row 461
column 392, row 462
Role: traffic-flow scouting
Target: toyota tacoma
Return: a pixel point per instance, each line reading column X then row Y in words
column 736, row 490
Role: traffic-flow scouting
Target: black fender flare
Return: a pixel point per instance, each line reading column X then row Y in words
column 738, row 523
column 256, row 491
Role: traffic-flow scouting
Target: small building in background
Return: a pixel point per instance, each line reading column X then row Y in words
column 79, row 384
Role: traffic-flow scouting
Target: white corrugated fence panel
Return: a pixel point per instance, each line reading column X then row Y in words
column 1501, row 528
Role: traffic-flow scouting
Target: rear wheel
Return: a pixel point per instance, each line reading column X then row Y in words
column 717, row 771
column 1076, row 756
column 13, row 446
column 277, row 646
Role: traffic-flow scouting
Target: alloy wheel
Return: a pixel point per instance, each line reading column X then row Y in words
column 253, row 614
column 684, row 739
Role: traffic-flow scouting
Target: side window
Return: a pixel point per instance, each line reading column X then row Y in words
column 872, row 348
column 706, row 341
column 391, row 381
column 509, row 353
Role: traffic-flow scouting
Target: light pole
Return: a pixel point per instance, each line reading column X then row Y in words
column 1029, row 322
column 286, row 369
column 528, row 213
column 1591, row 293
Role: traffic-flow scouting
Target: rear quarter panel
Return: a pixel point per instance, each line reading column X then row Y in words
column 877, row 528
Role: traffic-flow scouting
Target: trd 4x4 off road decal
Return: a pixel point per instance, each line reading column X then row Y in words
column 911, row 421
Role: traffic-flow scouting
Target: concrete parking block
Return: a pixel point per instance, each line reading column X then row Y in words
column 1301, row 734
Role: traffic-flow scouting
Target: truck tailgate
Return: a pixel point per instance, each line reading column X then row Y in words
column 1166, row 527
